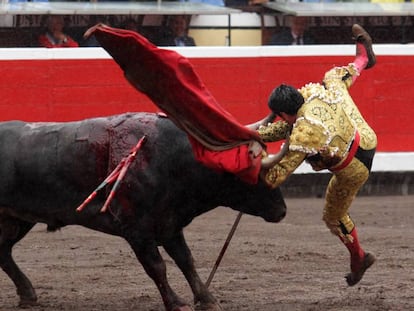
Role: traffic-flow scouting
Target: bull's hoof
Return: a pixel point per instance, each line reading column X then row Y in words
column 208, row 307
column 28, row 297
column 182, row 308
column 354, row 277
column 28, row 302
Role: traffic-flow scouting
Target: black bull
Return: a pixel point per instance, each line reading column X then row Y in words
column 48, row 169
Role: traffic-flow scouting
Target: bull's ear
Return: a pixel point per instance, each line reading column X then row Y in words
column 272, row 159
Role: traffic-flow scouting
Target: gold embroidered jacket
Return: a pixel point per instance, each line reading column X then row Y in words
column 324, row 129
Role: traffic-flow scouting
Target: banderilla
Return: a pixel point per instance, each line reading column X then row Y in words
column 116, row 176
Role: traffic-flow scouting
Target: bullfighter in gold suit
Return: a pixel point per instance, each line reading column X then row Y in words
column 325, row 128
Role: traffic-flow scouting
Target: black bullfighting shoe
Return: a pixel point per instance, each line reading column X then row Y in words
column 356, row 276
column 360, row 35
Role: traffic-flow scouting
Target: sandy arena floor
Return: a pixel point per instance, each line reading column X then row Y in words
column 294, row 265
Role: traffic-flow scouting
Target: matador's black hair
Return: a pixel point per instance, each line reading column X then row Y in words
column 285, row 98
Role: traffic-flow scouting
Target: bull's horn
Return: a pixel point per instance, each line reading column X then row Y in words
column 269, row 118
column 272, row 159
column 92, row 29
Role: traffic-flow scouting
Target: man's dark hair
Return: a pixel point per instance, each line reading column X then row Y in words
column 285, row 98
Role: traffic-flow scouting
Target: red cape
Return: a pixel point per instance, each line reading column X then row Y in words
column 170, row 81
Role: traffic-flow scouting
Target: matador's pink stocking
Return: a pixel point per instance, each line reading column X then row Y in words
column 361, row 59
column 355, row 249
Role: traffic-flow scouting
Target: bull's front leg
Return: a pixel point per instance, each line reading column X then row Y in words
column 12, row 231
column 154, row 265
column 178, row 250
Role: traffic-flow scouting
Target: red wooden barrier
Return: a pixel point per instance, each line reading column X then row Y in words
column 72, row 89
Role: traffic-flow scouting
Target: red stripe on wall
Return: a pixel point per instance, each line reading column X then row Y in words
column 65, row 90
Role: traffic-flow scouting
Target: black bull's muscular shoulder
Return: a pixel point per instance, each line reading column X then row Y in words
column 48, row 169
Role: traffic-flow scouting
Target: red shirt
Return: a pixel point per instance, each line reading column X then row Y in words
column 48, row 41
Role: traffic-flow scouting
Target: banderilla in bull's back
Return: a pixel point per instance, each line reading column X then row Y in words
column 116, row 176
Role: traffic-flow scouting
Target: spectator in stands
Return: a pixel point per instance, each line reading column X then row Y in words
column 176, row 33
column 54, row 37
column 131, row 24
column 326, row 129
column 295, row 34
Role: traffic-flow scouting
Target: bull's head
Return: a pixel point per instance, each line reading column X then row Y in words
column 256, row 200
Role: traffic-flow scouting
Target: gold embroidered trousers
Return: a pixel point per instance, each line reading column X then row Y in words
column 345, row 184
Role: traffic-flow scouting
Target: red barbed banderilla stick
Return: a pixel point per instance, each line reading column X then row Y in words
column 116, row 176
